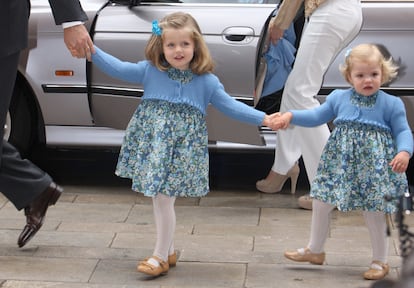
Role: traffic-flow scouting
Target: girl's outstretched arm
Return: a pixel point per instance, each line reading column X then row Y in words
column 114, row 67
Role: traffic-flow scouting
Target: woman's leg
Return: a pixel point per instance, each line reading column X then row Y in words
column 330, row 28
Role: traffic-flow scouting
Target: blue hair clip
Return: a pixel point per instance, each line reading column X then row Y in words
column 347, row 53
column 156, row 28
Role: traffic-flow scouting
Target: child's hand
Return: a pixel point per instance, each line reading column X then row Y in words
column 284, row 120
column 400, row 162
column 278, row 120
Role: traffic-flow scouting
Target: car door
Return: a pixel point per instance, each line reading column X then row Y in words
column 232, row 30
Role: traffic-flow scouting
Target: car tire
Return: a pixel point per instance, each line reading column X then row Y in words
column 22, row 121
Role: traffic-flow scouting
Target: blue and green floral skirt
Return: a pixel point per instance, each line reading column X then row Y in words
column 354, row 171
column 165, row 150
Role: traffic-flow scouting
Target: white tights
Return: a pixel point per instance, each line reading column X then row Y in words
column 164, row 215
column 375, row 221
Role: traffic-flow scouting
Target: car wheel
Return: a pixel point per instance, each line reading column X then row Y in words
column 21, row 123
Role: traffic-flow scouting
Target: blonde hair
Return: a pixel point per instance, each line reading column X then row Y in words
column 202, row 61
column 372, row 54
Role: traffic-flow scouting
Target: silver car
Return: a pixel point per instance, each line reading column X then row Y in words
column 62, row 101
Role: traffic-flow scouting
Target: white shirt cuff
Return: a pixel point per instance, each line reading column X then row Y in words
column 71, row 24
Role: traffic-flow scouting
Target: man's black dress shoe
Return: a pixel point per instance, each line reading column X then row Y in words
column 36, row 211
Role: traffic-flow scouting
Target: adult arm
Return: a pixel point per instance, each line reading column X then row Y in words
column 67, row 11
column 286, row 13
column 284, row 17
column 76, row 37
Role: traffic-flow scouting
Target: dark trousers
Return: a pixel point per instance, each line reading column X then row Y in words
column 21, row 181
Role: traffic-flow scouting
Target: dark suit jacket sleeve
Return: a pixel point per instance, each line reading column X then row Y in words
column 67, row 11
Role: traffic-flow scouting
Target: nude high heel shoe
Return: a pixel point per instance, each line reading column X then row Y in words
column 275, row 182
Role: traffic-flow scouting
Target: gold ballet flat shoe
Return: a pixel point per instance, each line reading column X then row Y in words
column 172, row 259
column 149, row 269
column 377, row 271
column 275, row 181
column 305, row 255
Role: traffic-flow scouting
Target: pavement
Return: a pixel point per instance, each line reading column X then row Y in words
column 94, row 236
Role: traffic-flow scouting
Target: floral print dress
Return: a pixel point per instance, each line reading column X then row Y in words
column 354, row 171
column 165, row 148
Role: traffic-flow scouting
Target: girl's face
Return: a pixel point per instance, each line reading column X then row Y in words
column 178, row 48
column 366, row 77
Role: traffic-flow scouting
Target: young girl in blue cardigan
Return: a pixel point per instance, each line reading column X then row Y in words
column 165, row 149
column 365, row 157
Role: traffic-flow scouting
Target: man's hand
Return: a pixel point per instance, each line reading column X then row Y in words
column 78, row 41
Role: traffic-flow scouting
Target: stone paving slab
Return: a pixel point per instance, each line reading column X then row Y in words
column 95, row 236
column 187, row 274
column 38, row 284
column 47, row 269
column 269, row 276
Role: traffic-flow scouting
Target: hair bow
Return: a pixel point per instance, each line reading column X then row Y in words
column 156, row 28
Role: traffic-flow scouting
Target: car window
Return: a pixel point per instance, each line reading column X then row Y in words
column 215, row 1
column 387, row 1
column 232, row 1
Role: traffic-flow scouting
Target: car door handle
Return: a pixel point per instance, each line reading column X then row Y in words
column 240, row 35
column 235, row 38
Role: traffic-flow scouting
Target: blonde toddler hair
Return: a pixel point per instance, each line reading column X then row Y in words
column 202, row 61
column 369, row 53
